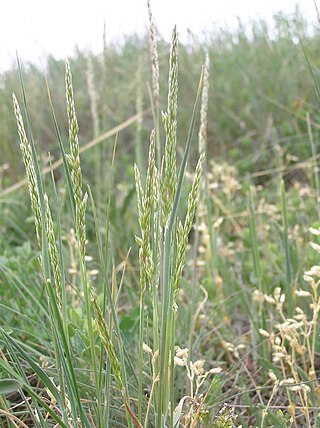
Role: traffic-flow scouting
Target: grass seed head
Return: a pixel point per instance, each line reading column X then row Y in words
column 105, row 338
column 154, row 56
column 30, row 170
column 74, row 160
column 184, row 231
column 93, row 96
column 145, row 204
column 204, row 107
column 170, row 125
column 53, row 252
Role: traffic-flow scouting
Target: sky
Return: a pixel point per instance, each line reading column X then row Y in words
column 35, row 28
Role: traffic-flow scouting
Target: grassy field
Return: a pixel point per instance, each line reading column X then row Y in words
column 160, row 233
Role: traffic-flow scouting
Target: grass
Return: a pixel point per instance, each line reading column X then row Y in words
column 175, row 284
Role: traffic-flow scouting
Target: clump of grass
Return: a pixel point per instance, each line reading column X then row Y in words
column 68, row 383
column 167, row 246
column 163, row 246
column 91, row 368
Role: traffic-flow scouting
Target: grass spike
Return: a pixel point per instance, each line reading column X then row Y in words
column 53, row 252
column 204, row 106
column 184, row 231
column 170, row 125
column 154, row 56
column 30, row 170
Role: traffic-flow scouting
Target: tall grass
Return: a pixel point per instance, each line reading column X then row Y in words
column 162, row 244
column 98, row 334
column 168, row 241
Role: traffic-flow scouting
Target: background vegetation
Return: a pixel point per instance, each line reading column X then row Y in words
column 249, row 247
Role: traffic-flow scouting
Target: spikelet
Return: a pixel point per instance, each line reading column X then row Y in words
column 74, row 160
column 183, row 231
column 204, row 107
column 154, row 56
column 156, row 191
column 145, row 202
column 105, row 338
column 30, row 170
column 170, row 125
column 53, row 252
column 81, row 219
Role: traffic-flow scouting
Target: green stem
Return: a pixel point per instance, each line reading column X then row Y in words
column 141, row 330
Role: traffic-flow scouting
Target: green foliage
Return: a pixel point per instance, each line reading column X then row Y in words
column 9, row 385
column 107, row 326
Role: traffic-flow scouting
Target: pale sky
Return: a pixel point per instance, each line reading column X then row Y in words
column 37, row 27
